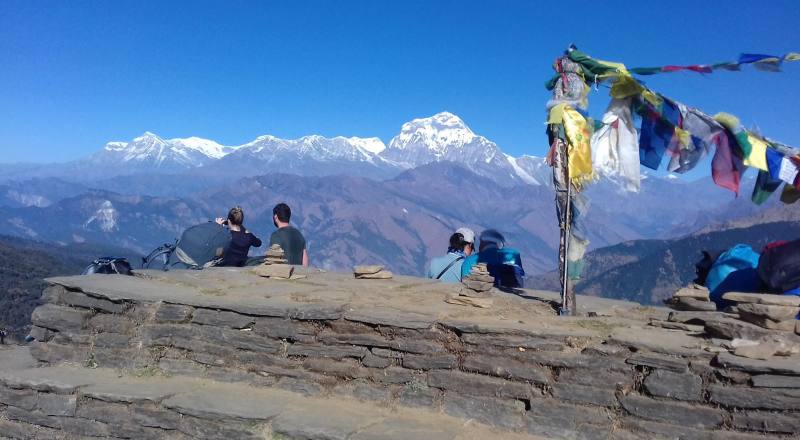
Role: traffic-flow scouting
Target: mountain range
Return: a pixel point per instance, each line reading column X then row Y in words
column 439, row 138
column 357, row 200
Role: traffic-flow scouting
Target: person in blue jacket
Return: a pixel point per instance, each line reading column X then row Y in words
column 504, row 263
column 448, row 267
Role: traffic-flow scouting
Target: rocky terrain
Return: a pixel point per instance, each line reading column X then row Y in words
column 226, row 353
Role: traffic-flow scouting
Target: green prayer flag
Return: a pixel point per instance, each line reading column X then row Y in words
column 764, row 187
column 744, row 143
column 645, row 70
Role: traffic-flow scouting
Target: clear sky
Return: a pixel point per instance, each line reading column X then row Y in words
column 76, row 74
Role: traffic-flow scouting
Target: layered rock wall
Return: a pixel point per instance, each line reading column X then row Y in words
column 581, row 381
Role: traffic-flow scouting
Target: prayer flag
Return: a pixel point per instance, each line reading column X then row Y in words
column 747, row 58
column 766, row 63
column 781, row 167
column 733, row 67
column 764, row 187
column 654, row 138
column 579, row 149
column 726, row 167
column 757, row 157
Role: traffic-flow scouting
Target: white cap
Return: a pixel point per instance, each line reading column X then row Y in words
column 469, row 234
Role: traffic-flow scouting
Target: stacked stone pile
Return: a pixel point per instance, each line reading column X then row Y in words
column 692, row 298
column 774, row 312
column 371, row 272
column 475, row 290
column 275, row 255
column 758, row 326
column 275, row 264
column 478, row 284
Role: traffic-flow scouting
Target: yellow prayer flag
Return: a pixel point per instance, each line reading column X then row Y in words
column 619, row 67
column 652, row 98
column 758, row 154
column 579, row 149
column 556, row 114
column 684, row 138
column 625, row 86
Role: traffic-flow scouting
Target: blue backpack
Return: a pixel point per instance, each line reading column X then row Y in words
column 505, row 265
column 735, row 270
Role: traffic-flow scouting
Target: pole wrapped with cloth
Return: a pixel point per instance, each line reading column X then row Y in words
column 569, row 132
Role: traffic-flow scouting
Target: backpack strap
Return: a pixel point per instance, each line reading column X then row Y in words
column 449, row 266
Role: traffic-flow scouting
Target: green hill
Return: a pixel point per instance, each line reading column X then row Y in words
column 23, row 266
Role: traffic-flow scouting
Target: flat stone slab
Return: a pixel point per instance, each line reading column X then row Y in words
column 763, row 298
column 658, row 340
column 775, row 313
column 776, row 381
column 404, row 429
column 789, row 366
column 132, row 390
column 231, row 401
column 322, row 422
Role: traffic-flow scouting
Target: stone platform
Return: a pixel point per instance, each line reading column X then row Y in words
column 393, row 346
column 74, row 402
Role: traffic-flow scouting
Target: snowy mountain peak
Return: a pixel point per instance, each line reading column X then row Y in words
column 204, row 146
column 437, row 132
column 148, row 135
column 441, row 137
column 116, row 146
column 371, row 145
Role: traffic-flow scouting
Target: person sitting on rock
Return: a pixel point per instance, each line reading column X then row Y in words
column 241, row 239
column 447, row 268
column 504, row 263
column 288, row 237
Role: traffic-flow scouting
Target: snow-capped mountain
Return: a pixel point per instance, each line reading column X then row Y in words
column 149, row 152
column 307, row 156
column 271, row 148
column 445, row 137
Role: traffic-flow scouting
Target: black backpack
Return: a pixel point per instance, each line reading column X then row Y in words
column 109, row 265
column 779, row 266
column 704, row 265
column 200, row 246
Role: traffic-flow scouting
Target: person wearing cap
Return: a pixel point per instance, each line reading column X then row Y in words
column 503, row 263
column 447, row 268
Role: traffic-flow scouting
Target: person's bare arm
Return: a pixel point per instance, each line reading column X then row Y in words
column 305, row 257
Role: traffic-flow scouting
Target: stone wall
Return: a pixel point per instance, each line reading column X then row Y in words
column 550, row 382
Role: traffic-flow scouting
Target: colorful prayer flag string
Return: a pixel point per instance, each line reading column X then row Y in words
column 686, row 135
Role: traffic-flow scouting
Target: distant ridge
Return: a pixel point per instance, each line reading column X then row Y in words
column 649, row 271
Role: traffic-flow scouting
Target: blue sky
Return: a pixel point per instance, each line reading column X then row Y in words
column 76, row 74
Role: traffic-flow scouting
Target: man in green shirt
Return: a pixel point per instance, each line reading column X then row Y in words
column 287, row 236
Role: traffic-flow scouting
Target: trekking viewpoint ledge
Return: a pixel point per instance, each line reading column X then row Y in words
column 223, row 352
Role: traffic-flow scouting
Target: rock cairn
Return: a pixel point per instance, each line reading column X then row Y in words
column 275, row 264
column 773, row 312
column 275, row 255
column 478, row 283
column 476, row 288
column 692, row 298
column 371, row 272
